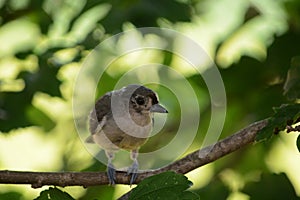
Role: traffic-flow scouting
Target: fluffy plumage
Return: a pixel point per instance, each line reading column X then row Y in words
column 123, row 119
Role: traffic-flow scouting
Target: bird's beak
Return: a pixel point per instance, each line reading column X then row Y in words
column 158, row 108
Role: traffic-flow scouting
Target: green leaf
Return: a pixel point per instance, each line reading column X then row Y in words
column 87, row 21
column 284, row 115
column 54, row 194
column 188, row 195
column 11, row 195
column 298, row 143
column 167, row 185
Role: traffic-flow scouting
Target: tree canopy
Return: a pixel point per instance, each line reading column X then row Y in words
column 253, row 45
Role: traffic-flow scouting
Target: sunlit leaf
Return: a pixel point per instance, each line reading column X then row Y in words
column 13, row 42
column 167, row 185
column 37, row 117
column 88, row 21
column 298, row 143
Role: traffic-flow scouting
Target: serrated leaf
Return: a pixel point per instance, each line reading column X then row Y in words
column 284, row 115
column 54, row 194
column 167, row 185
column 298, row 143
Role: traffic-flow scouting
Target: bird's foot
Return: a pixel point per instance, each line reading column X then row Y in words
column 111, row 173
column 132, row 170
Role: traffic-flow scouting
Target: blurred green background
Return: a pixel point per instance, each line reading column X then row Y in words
column 43, row 44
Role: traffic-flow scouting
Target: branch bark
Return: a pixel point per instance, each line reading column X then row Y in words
column 188, row 163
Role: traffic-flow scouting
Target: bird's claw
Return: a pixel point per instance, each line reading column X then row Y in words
column 111, row 173
column 133, row 172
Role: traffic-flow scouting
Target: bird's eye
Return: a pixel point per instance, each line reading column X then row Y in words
column 140, row 100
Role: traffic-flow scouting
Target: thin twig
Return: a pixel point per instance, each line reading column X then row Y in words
column 184, row 165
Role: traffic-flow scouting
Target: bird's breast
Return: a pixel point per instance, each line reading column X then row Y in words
column 124, row 133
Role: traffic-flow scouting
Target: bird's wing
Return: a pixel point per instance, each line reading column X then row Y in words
column 97, row 117
column 103, row 106
column 95, row 126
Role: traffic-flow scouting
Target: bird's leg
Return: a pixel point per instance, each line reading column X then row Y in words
column 111, row 172
column 134, row 167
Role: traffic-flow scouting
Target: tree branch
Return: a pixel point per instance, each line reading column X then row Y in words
column 184, row 165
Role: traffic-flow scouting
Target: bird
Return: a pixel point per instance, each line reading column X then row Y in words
column 123, row 119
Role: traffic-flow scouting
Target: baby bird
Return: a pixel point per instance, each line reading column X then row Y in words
column 123, row 119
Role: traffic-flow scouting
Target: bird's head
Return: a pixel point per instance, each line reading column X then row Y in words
column 143, row 99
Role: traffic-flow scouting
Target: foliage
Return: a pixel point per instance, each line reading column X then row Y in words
column 253, row 43
column 167, row 185
column 284, row 116
column 54, row 194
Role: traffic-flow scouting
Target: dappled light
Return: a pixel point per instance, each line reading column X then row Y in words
column 217, row 66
